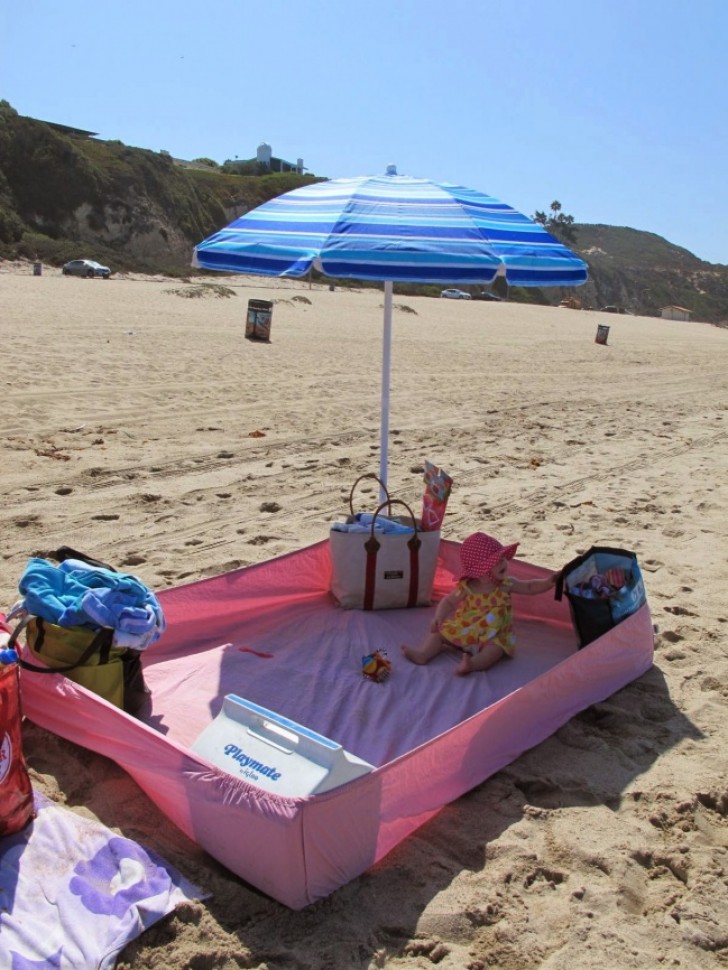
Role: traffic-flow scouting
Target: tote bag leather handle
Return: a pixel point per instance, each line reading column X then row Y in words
column 361, row 478
column 372, row 548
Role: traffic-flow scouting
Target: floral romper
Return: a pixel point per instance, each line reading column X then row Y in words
column 481, row 618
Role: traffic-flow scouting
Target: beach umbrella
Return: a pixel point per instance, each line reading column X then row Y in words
column 391, row 228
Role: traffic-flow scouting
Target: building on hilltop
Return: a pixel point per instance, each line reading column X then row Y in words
column 265, row 157
column 675, row 313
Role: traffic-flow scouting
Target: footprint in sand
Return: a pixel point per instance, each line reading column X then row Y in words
column 231, row 565
column 652, row 565
column 715, row 802
column 133, row 559
column 661, row 863
column 542, row 876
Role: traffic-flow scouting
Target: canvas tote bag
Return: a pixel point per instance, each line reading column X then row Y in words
column 379, row 571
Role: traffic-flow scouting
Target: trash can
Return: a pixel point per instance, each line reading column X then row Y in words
column 258, row 322
column 37, row 269
column 602, row 334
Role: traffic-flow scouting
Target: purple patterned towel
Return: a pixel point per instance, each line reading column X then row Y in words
column 73, row 893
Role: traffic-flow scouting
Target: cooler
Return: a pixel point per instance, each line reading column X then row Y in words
column 274, row 753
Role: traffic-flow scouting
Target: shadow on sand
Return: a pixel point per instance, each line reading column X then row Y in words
column 593, row 760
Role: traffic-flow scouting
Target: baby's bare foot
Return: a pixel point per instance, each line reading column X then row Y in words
column 465, row 666
column 411, row 654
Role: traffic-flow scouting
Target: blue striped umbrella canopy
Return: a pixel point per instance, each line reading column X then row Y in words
column 391, row 228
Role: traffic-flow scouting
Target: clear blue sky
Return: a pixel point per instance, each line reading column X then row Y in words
column 617, row 108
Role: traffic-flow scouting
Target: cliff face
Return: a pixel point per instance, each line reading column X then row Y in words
column 63, row 198
column 137, row 225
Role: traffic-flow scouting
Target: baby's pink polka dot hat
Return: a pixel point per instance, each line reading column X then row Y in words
column 479, row 553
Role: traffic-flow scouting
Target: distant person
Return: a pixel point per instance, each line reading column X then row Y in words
column 476, row 617
column 500, row 287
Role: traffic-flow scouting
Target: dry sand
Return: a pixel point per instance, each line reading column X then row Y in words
column 130, row 422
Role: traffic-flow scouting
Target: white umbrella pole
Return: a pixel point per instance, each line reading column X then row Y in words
column 386, row 361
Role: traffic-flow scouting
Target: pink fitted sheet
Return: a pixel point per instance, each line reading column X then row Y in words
column 271, row 633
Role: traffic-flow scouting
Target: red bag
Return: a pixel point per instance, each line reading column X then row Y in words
column 16, row 792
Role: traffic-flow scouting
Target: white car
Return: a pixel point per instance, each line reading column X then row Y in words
column 455, row 295
column 88, row 268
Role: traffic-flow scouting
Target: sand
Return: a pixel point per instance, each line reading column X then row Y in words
column 142, row 427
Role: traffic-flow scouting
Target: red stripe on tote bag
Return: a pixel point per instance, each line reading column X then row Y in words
column 370, row 576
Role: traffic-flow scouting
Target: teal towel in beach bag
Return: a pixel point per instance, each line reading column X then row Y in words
column 84, row 654
column 603, row 586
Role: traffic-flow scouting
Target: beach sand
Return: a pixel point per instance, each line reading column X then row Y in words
column 140, row 426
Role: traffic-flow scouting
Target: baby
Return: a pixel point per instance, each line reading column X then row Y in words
column 476, row 616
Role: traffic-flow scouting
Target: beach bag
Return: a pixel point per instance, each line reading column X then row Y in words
column 375, row 570
column 16, row 793
column 86, row 655
column 603, row 586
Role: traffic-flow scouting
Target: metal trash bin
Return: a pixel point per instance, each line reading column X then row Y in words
column 259, row 319
column 37, row 269
column 602, row 334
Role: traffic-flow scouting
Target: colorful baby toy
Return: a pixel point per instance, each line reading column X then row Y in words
column 375, row 666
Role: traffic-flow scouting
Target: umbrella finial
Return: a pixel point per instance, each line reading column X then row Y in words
column 391, row 169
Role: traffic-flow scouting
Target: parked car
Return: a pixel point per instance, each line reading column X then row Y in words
column 455, row 295
column 610, row 309
column 487, row 295
column 86, row 267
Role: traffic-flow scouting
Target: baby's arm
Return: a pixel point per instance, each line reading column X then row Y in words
column 532, row 586
column 445, row 607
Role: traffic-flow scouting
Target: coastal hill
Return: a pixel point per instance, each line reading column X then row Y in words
column 64, row 195
column 642, row 272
